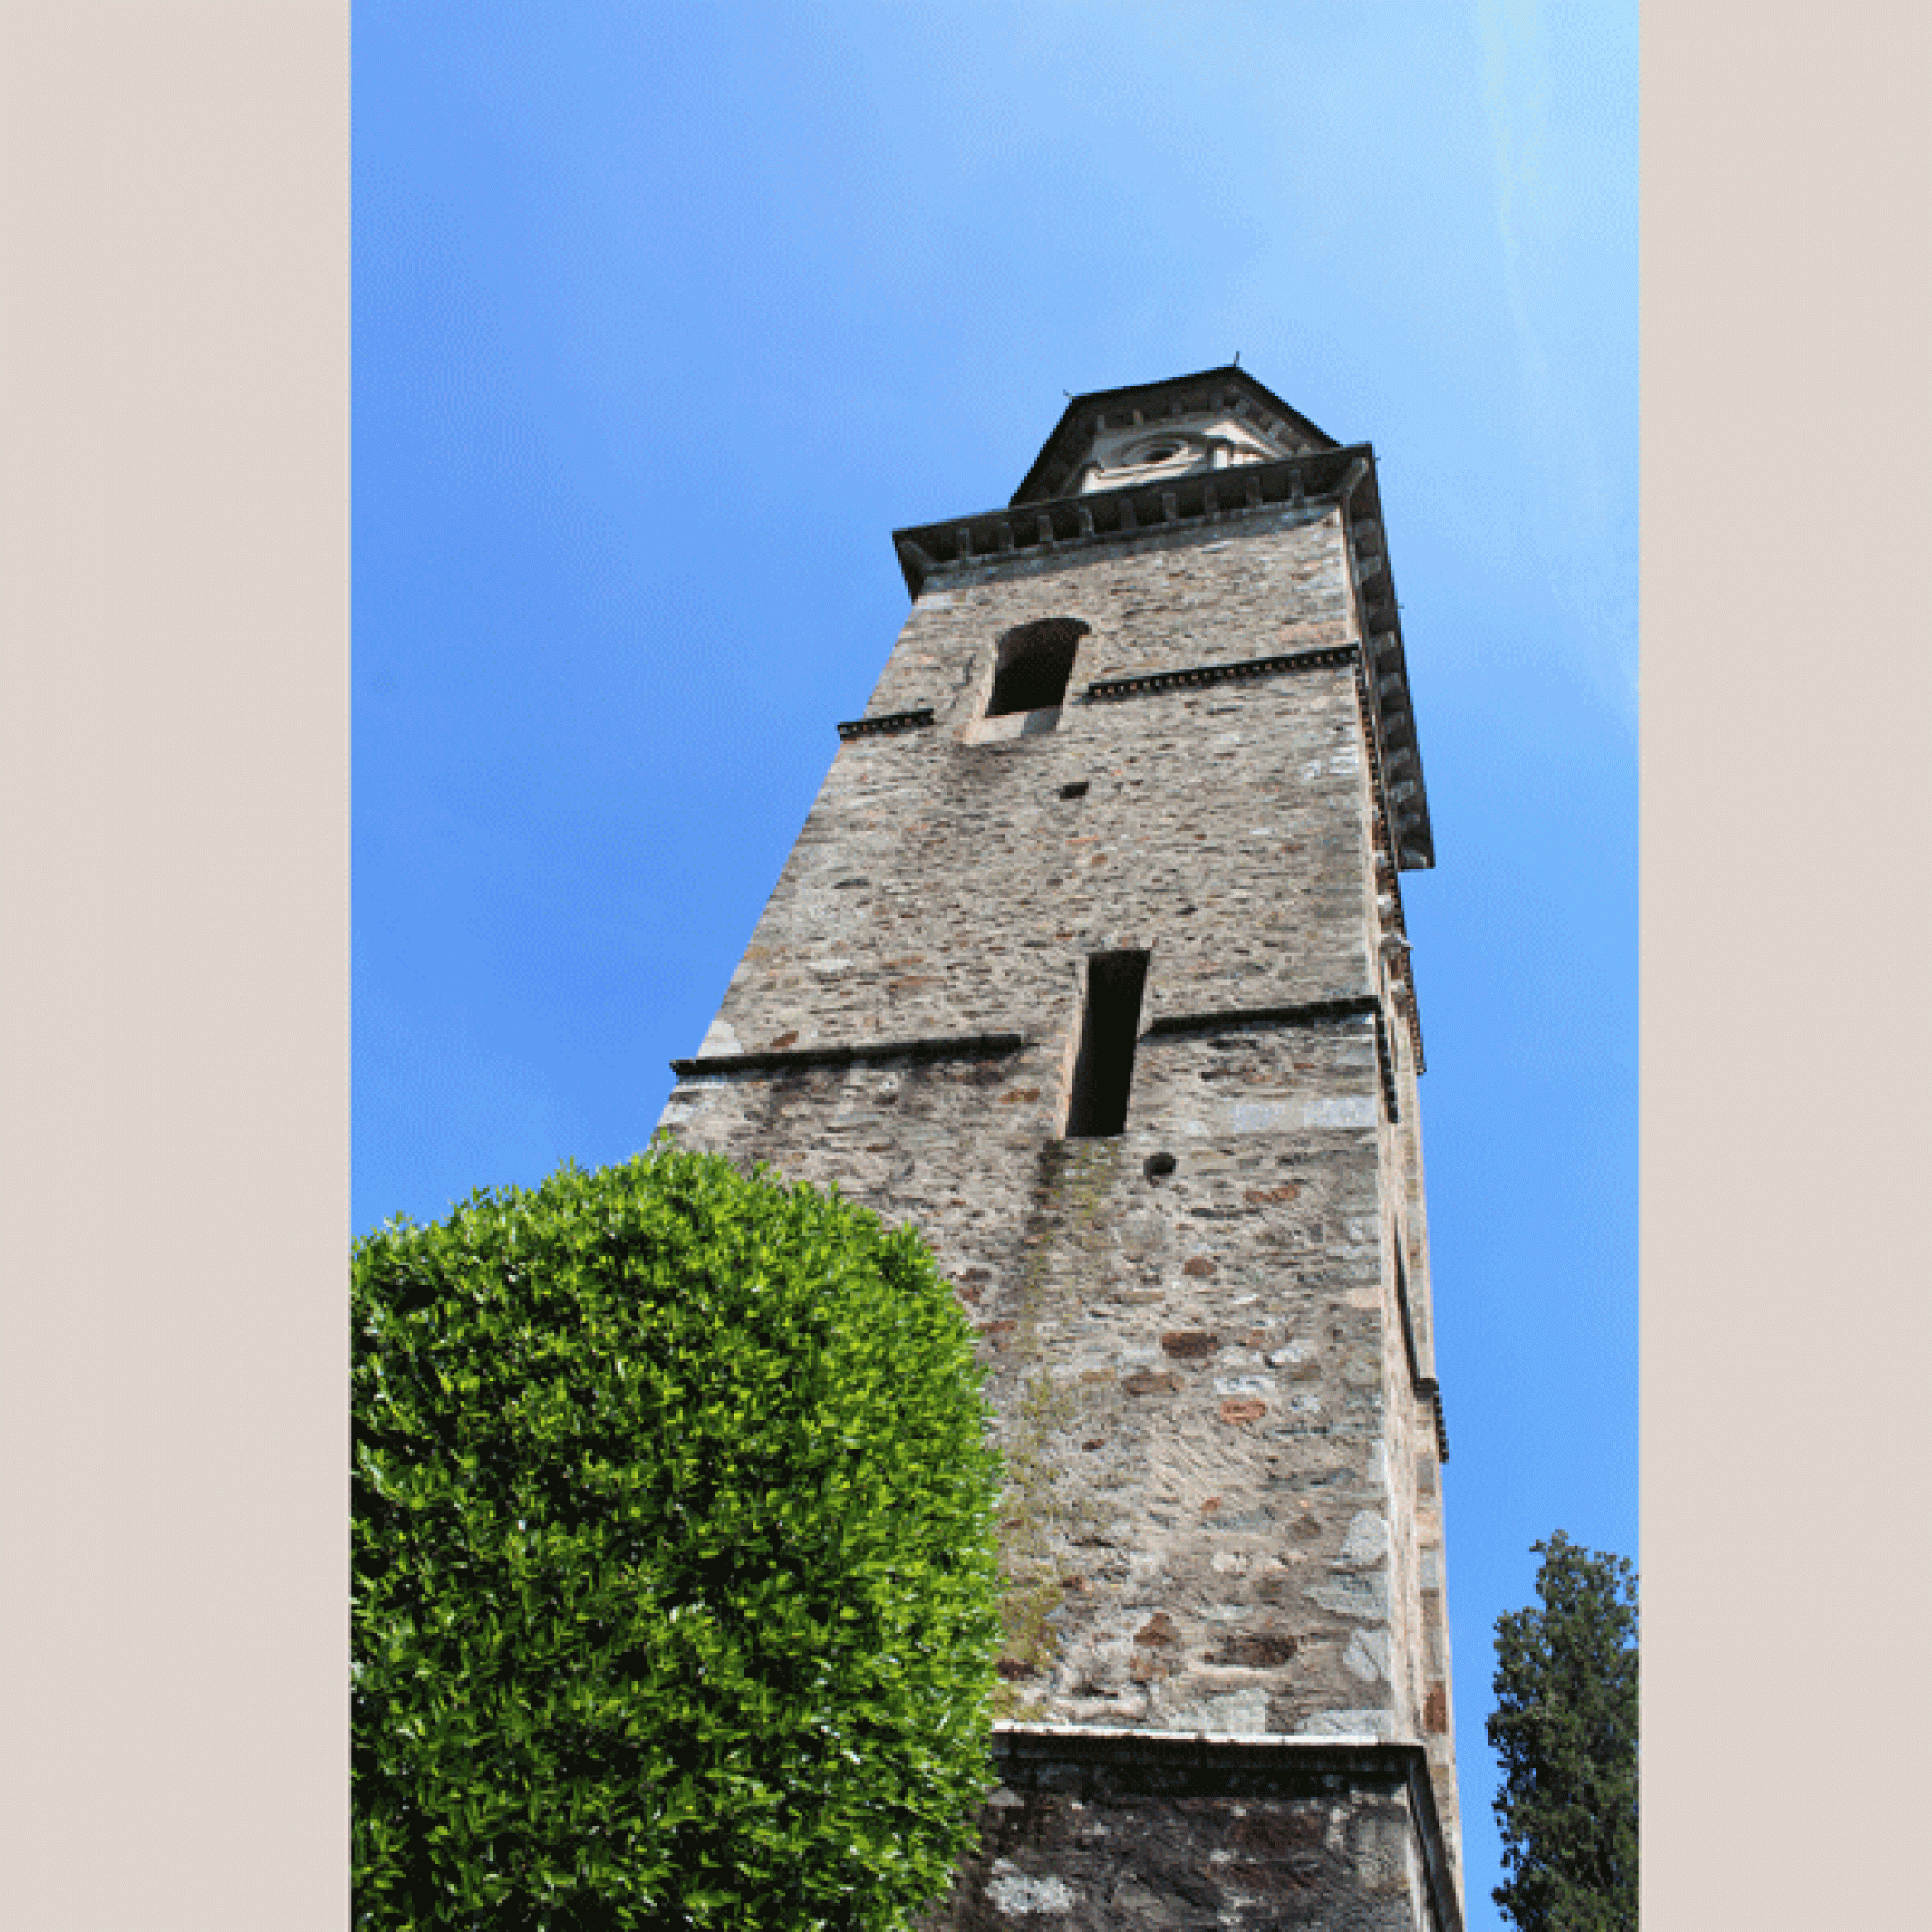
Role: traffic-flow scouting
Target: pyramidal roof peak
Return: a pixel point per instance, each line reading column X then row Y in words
column 1215, row 419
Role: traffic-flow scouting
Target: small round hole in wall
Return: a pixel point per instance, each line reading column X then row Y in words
column 1159, row 1167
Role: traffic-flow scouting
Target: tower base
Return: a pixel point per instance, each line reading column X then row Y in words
column 1104, row 1828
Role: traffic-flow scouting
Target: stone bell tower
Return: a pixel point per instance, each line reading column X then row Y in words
column 1089, row 961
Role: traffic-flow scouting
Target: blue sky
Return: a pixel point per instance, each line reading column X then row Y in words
column 664, row 317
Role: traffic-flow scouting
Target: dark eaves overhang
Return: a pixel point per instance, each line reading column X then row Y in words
column 1225, row 498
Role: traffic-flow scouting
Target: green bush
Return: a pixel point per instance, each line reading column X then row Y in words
column 674, row 1586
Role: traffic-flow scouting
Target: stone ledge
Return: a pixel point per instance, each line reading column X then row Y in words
column 1291, row 1754
column 1328, row 655
column 1431, row 1390
column 779, row 1060
column 885, row 722
column 1425, row 1387
column 1303, row 1012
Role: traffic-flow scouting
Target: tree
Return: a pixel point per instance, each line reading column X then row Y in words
column 674, row 1574
column 1565, row 1727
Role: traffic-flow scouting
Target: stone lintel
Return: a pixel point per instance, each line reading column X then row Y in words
column 948, row 1047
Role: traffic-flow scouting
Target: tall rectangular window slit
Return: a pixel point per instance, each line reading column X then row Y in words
column 1103, row 1072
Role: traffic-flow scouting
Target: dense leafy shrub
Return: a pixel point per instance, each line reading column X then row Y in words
column 674, row 1582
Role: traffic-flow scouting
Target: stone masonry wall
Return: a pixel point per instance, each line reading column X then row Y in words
column 1223, row 1508
column 945, row 887
column 1190, row 1369
column 1341, row 1861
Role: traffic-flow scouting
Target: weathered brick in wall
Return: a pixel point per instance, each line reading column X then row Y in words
column 1224, row 1511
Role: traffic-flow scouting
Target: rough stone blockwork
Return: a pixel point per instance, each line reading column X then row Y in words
column 1209, row 1834
column 1207, row 1335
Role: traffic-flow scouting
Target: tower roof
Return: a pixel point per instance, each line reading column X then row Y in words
column 1097, row 419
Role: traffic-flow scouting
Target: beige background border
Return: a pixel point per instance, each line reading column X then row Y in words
column 174, row 551
column 1786, row 321
column 173, row 759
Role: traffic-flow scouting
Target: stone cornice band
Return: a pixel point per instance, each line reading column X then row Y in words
column 885, row 722
column 1107, row 516
column 1430, row 1391
column 1427, row 1388
column 985, row 1045
column 784, row 1060
column 1140, row 684
column 1145, row 683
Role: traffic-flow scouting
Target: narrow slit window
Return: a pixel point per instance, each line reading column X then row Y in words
column 1103, row 1072
column 1031, row 666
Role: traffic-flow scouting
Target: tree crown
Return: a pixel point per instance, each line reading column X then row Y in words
column 1565, row 1728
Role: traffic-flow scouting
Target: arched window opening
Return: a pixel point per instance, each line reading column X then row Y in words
column 1031, row 666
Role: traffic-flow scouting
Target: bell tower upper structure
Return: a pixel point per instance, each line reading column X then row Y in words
column 1089, row 961
column 1162, row 431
